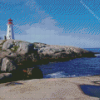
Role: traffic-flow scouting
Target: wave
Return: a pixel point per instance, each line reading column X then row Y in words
column 60, row 74
column 97, row 55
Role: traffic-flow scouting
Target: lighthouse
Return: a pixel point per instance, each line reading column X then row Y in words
column 10, row 33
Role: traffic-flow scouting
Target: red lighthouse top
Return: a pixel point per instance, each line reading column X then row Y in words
column 10, row 21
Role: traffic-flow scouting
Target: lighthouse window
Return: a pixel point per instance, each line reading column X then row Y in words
column 9, row 31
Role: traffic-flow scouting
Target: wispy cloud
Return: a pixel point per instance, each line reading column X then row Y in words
column 90, row 10
column 32, row 4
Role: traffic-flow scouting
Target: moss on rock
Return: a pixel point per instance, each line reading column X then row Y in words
column 14, row 49
column 3, row 42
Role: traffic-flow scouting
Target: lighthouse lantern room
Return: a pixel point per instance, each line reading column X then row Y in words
column 10, row 33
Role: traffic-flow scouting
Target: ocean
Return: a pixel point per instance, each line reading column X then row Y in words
column 74, row 68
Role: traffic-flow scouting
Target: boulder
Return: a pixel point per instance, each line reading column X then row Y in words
column 4, row 53
column 8, row 65
column 7, row 74
column 34, row 72
column 25, row 47
column 5, row 77
column 38, row 45
column 37, row 73
column 17, row 46
column 8, row 44
column 2, row 76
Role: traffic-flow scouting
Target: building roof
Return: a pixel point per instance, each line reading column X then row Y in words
column 10, row 19
column 9, row 22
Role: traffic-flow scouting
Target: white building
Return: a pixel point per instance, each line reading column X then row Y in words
column 10, row 33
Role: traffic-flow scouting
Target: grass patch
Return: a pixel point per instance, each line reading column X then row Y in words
column 3, row 50
column 34, row 45
column 0, row 48
column 14, row 49
column 20, row 41
column 3, row 42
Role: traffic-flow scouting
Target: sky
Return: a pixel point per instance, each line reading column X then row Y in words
column 55, row 22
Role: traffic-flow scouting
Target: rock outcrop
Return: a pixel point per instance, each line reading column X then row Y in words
column 5, row 77
column 26, row 53
column 8, row 44
column 1, row 41
column 17, row 56
column 20, row 47
column 55, row 52
column 8, row 65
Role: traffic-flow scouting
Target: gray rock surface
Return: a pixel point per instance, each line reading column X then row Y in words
column 17, row 46
column 5, row 77
column 56, row 52
column 38, row 45
column 16, row 55
column 4, row 53
column 24, row 47
column 8, row 44
column 2, row 76
column 1, row 41
column 8, row 65
column 23, row 53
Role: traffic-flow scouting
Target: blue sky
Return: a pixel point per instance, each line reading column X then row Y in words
column 56, row 22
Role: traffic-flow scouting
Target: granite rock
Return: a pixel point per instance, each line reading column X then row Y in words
column 8, row 65
column 8, row 44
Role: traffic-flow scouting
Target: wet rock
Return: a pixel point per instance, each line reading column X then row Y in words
column 37, row 73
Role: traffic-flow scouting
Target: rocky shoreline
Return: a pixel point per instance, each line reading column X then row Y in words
column 21, row 58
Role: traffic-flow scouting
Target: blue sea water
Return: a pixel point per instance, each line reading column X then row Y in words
column 73, row 68
column 93, row 49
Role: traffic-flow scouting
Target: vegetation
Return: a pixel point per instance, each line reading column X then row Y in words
column 20, row 41
column 15, row 48
column 34, row 45
column 3, row 42
column 0, row 48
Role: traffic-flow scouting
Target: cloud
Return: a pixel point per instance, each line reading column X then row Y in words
column 41, row 31
column 32, row 4
column 46, row 31
column 2, row 33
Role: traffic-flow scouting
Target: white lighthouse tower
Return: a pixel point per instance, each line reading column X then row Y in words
column 10, row 33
